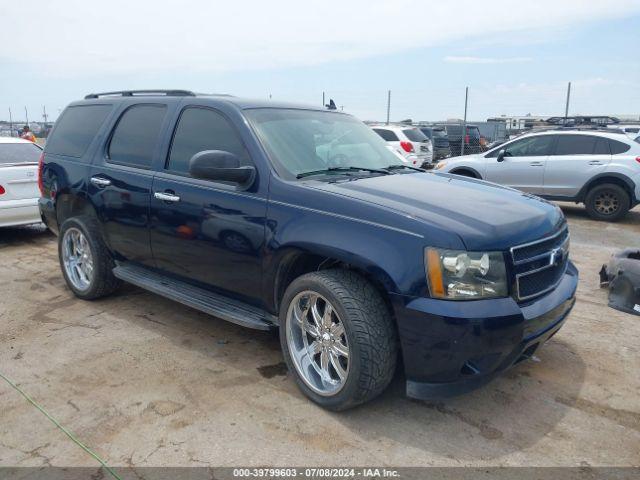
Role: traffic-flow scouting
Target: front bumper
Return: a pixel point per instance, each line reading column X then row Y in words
column 452, row 347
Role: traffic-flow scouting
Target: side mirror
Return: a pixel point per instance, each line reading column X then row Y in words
column 221, row 166
column 501, row 155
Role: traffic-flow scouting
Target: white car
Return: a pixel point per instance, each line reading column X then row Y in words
column 19, row 191
column 599, row 168
column 414, row 145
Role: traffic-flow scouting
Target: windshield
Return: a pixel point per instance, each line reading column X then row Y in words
column 19, row 153
column 301, row 141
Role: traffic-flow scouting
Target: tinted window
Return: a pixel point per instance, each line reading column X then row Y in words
column 76, row 128
column 136, row 135
column 618, row 147
column 454, row 130
column 428, row 132
column 19, row 153
column 602, row 147
column 473, row 132
column 575, row 145
column 387, row 135
column 414, row 135
column 527, row 147
column 202, row 129
column 439, row 133
column 632, row 130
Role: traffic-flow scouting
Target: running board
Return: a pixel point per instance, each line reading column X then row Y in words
column 214, row 304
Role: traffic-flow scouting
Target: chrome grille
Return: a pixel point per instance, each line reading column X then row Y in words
column 539, row 265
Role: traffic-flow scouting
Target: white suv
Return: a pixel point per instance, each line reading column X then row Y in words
column 598, row 168
column 414, row 145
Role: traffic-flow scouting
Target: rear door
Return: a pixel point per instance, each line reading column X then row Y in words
column 121, row 177
column 575, row 160
column 18, row 171
column 523, row 164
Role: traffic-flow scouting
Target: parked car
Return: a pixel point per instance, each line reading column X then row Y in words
column 439, row 141
column 454, row 134
column 410, row 141
column 18, row 182
column 630, row 130
column 350, row 253
column 595, row 167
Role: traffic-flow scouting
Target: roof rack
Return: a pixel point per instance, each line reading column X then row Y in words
column 131, row 93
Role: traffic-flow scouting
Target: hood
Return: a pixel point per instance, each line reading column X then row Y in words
column 485, row 216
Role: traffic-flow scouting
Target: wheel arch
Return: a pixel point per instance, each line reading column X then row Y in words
column 466, row 171
column 609, row 177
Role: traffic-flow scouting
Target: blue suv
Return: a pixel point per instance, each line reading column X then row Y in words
column 284, row 216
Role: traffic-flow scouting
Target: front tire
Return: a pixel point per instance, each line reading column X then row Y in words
column 87, row 265
column 338, row 338
column 607, row 202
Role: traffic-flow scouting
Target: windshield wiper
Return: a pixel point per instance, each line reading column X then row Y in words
column 343, row 169
column 399, row 166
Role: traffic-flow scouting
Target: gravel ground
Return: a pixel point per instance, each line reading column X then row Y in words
column 148, row 382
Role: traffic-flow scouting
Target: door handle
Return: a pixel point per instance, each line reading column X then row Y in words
column 166, row 197
column 100, row 182
column 536, row 164
column 596, row 162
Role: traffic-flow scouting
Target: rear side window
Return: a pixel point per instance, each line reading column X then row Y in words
column 386, row 135
column 202, row 129
column 136, row 135
column 618, row 147
column 575, row 145
column 19, row 153
column 602, row 147
column 414, row 135
column 76, row 128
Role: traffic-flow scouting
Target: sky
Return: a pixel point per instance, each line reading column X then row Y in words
column 516, row 57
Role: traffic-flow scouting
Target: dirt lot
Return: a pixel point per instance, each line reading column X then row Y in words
column 148, row 382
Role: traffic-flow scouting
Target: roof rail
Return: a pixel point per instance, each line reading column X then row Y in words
column 131, row 93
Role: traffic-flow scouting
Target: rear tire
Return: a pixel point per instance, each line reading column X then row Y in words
column 607, row 202
column 87, row 269
column 364, row 329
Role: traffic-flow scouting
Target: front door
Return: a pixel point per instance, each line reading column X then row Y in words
column 121, row 177
column 523, row 164
column 576, row 160
column 205, row 232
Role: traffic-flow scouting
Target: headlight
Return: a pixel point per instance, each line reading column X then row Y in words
column 460, row 275
column 440, row 165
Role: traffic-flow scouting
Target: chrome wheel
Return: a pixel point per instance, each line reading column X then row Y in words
column 607, row 203
column 77, row 258
column 317, row 343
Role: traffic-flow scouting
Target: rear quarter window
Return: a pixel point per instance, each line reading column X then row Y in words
column 386, row 135
column 414, row 135
column 19, row 153
column 76, row 128
column 618, row 147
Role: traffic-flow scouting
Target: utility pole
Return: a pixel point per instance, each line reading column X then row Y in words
column 464, row 121
column 26, row 114
column 566, row 108
column 388, row 105
column 10, row 121
column 323, row 102
column 44, row 114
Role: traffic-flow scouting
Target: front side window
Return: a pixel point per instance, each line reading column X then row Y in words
column 537, row 146
column 201, row 129
column 19, row 153
column 386, row 135
column 136, row 135
column 575, row 145
column 302, row 141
